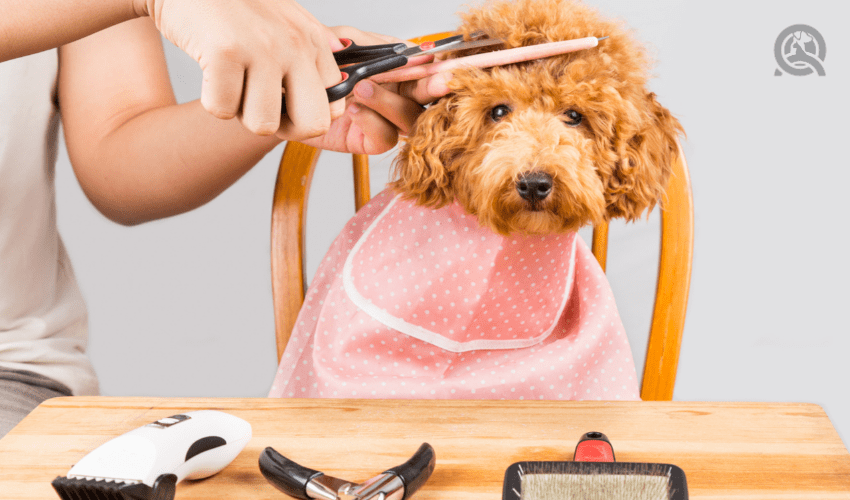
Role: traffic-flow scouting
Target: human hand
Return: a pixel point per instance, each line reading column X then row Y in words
column 376, row 115
column 246, row 49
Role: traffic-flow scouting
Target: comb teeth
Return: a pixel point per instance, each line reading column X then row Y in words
column 100, row 489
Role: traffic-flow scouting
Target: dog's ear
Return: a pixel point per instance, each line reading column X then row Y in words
column 645, row 147
column 421, row 171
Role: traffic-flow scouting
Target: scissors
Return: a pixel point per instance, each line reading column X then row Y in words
column 364, row 61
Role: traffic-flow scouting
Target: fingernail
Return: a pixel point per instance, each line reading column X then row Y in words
column 354, row 108
column 364, row 89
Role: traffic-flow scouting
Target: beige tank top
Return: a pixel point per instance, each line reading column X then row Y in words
column 43, row 322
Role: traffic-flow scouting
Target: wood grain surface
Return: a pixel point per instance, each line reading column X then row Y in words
column 728, row 450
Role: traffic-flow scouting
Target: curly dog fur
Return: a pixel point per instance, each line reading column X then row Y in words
column 584, row 120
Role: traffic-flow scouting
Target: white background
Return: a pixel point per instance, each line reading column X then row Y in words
column 182, row 307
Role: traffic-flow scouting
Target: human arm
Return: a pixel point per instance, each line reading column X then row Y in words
column 30, row 26
column 140, row 156
column 246, row 48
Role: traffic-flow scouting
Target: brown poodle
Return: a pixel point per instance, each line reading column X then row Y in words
column 550, row 145
column 466, row 279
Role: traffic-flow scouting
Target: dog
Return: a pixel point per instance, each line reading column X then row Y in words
column 466, row 277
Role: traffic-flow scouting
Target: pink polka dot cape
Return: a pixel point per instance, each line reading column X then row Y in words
column 411, row 302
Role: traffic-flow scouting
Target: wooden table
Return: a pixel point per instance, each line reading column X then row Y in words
column 728, row 450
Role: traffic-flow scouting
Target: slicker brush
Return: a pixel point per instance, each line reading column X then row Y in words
column 594, row 475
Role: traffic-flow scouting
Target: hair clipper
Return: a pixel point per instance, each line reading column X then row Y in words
column 148, row 462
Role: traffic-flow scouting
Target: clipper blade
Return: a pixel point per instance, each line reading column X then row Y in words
column 107, row 489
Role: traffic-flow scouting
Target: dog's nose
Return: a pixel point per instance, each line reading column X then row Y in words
column 534, row 186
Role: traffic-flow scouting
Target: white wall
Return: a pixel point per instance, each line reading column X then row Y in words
column 182, row 307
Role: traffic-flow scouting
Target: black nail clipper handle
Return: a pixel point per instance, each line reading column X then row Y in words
column 416, row 471
column 286, row 475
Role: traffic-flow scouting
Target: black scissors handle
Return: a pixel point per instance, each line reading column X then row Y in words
column 356, row 72
column 372, row 59
column 353, row 53
column 369, row 60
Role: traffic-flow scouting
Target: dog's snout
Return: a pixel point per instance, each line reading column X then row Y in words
column 534, row 186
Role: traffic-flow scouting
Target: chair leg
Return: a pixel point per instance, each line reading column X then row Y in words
column 600, row 244
column 287, row 236
column 362, row 191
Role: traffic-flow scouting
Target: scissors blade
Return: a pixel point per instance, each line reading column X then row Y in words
column 486, row 42
column 449, row 44
column 356, row 72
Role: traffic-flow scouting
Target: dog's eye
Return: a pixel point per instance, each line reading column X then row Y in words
column 572, row 118
column 499, row 112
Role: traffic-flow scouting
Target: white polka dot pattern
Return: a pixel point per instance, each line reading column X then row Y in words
column 438, row 276
column 338, row 350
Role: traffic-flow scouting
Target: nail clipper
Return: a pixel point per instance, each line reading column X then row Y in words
column 398, row 483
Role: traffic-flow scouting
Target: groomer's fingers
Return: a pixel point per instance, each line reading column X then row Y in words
column 364, row 37
column 426, row 90
column 307, row 111
column 262, row 98
column 337, row 108
column 328, row 69
column 370, row 133
column 221, row 92
column 395, row 108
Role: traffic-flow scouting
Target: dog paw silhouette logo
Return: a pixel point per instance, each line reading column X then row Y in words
column 800, row 50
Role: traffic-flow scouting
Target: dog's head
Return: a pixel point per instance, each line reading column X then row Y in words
column 545, row 146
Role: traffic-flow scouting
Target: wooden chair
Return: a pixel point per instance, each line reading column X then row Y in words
column 674, row 270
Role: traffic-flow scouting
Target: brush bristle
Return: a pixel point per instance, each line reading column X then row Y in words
column 633, row 483
column 594, row 487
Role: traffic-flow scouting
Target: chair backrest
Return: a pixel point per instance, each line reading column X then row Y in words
column 674, row 270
